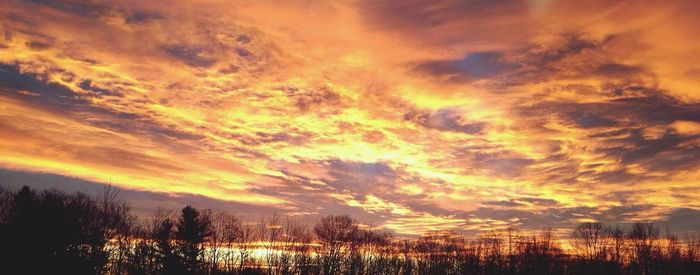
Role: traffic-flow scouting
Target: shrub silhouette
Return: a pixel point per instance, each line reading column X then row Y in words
column 65, row 233
column 51, row 232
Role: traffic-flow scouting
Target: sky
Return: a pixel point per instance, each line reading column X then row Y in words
column 409, row 115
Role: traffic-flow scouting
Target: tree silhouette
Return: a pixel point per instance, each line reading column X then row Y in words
column 66, row 233
column 589, row 240
column 642, row 238
column 167, row 255
column 334, row 232
column 50, row 232
column 192, row 230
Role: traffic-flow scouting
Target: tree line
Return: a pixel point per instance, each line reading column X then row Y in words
column 51, row 232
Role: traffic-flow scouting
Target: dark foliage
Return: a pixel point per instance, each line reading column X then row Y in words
column 51, row 232
column 54, row 233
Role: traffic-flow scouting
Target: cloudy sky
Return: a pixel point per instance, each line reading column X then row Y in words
column 410, row 115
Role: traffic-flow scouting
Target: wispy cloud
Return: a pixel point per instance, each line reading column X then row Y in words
column 411, row 115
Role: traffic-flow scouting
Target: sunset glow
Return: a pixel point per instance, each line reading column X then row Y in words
column 408, row 115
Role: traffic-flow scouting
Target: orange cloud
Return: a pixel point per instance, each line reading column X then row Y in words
column 412, row 115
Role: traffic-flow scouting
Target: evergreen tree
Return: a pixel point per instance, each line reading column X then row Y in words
column 192, row 230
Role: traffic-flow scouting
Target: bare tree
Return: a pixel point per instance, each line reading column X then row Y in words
column 406, row 264
column 493, row 251
column 513, row 238
column 673, row 249
column 215, row 250
column 617, row 243
column 540, row 254
column 244, row 245
column 334, row 233
column 118, row 224
column 78, row 234
column 378, row 251
column 588, row 239
column 270, row 234
column 290, row 246
column 303, row 240
column 228, row 231
column 692, row 248
column 643, row 237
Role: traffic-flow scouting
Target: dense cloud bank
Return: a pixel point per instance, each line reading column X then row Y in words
column 410, row 115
